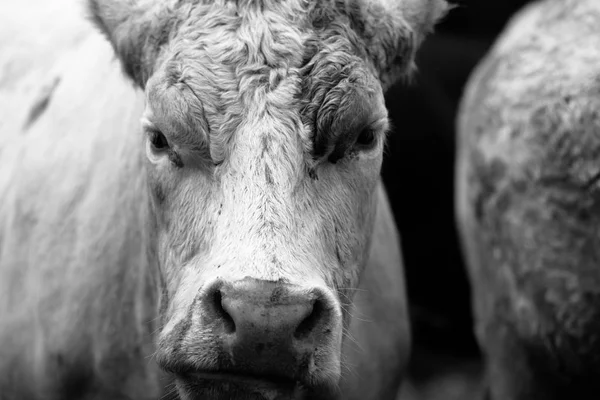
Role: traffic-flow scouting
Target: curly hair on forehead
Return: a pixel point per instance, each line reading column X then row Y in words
column 387, row 32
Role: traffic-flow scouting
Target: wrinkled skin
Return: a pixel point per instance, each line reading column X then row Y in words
column 528, row 203
column 238, row 238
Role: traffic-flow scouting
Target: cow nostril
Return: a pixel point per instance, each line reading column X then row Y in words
column 307, row 326
column 223, row 315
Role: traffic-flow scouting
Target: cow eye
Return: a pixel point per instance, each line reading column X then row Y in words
column 159, row 141
column 366, row 139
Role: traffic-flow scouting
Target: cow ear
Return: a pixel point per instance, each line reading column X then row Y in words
column 137, row 30
column 393, row 30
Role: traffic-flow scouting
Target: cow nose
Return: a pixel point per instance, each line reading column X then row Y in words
column 261, row 320
column 295, row 318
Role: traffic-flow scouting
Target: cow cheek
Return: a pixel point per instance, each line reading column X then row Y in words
column 366, row 209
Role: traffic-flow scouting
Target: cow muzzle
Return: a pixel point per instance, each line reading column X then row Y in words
column 256, row 336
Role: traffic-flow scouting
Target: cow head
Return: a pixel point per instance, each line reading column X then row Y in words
column 264, row 131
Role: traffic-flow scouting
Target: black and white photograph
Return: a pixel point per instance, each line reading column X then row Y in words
column 299, row 199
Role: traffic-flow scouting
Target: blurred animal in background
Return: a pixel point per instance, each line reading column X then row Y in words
column 528, row 201
column 418, row 172
column 239, row 237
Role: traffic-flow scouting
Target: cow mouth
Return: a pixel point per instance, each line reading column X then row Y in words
column 230, row 385
column 258, row 381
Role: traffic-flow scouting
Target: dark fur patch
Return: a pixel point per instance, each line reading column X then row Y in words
column 312, row 173
column 41, row 104
column 275, row 79
column 265, row 141
column 277, row 294
column 268, row 175
column 175, row 159
column 337, row 247
column 322, row 15
column 159, row 193
column 490, row 175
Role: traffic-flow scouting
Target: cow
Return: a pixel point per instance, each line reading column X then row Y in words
column 528, row 202
column 217, row 229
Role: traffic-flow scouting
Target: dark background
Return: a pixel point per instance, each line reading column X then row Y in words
column 419, row 175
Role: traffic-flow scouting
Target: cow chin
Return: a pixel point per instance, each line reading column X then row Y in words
column 226, row 387
column 239, row 376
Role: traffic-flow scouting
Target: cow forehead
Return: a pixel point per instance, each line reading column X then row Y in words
column 233, row 60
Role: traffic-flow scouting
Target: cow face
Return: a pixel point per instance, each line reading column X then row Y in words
column 264, row 131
